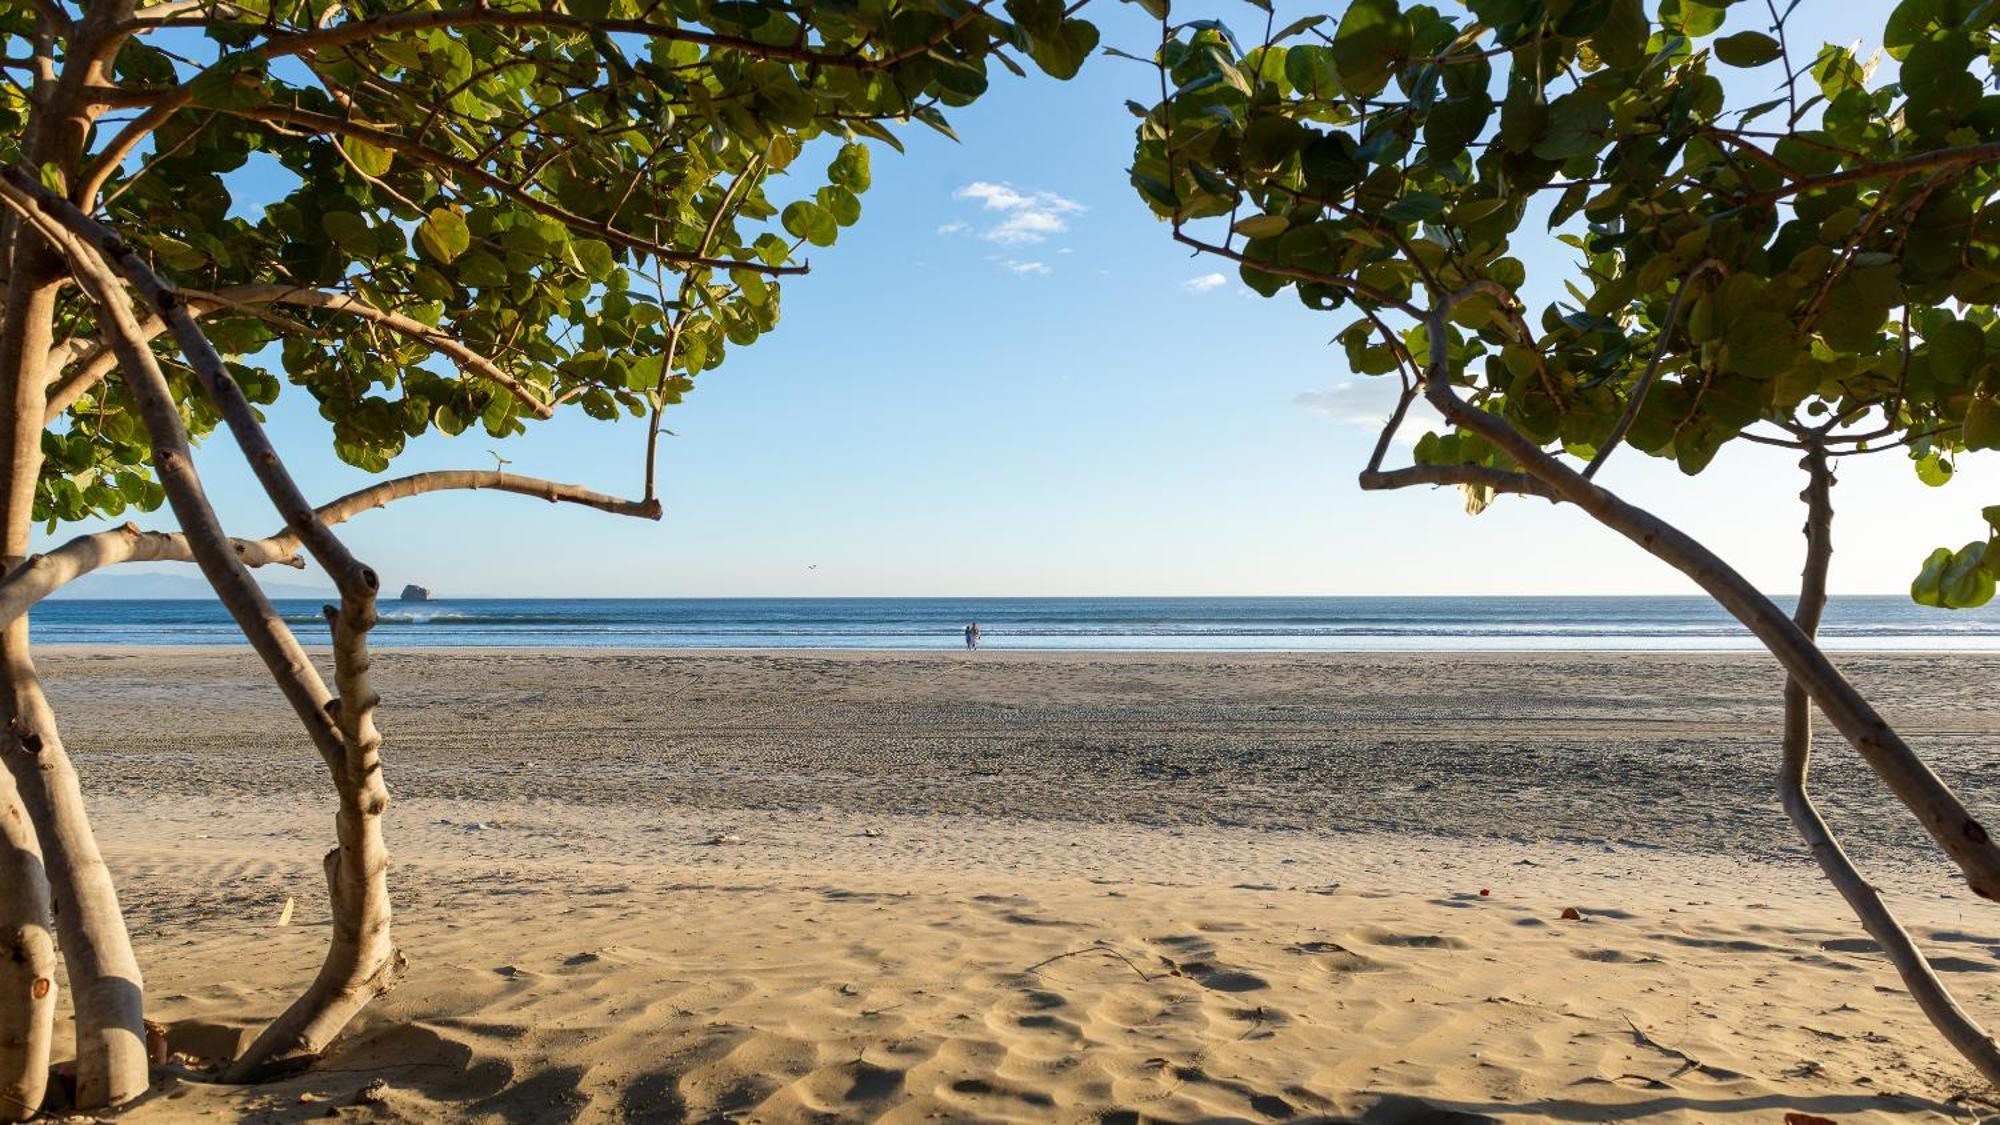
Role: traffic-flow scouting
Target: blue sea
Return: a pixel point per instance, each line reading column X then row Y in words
column 1333, row 624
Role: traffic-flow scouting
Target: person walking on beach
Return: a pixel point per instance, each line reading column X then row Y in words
column 972, row 636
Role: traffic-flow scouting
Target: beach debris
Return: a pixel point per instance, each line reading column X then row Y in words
column 156, row 1043
column 1796, row 1118
column 721, row 838
column 1485, row 892
column 871, row 832
column 375, row 1093
column 1570, row 914
column 285, row 913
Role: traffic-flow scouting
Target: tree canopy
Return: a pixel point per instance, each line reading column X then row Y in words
column 1816, row 269
column 434, row 216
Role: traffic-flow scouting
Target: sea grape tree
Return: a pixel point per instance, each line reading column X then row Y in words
column 1816, row 269
column 429, row 217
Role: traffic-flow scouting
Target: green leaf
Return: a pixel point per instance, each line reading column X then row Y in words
column 1061, row 53
column 239, row 81
column 1982, row 423
column 443, row 235
column 1414, row 207
column 1262, row 226
column 1577, row 124
column 1933, row 469
column 1928, row 589
column 593, row 257
column 1747, row 48
column 371, row 161
column 350, row 232
column 811, row 222
column 850, row 168
column 1692, row 18
column 1373, row 37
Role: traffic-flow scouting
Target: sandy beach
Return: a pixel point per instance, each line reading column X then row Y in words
column 1076, row 887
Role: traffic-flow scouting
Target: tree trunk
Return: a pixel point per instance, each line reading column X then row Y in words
column 105, row 986
column 27, row 963
column 1953, row 1022
column 361, row 962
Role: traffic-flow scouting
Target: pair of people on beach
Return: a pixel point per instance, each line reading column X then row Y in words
column 972, row 635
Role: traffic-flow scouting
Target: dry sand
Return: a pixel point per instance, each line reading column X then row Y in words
column 1048, row 887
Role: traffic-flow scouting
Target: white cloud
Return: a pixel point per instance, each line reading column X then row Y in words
column 1204, row 283
column 956, row 226
column 1027, row 269
column 1025, row 217
column 1367, row 402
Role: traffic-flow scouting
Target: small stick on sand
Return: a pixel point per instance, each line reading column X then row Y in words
column 1104, row 949
column 1689, row 1062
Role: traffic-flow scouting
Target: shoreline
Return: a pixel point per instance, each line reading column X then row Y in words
column 317, row 648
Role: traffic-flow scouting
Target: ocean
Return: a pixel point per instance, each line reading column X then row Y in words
column 1304, row 624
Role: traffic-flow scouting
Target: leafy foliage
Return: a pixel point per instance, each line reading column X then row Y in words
column 1816, row 269
column 595, row 199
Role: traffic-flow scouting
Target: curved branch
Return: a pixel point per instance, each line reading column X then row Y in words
column 100, row 361
column 1477, row 476
column 42, row 575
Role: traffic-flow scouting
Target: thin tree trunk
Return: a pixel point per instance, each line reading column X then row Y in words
column 27, row 962
column 106, row 989
column 1926, row 795
column 362, row 962
column 1956, row 1025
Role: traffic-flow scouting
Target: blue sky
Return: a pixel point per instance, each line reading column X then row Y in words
column 1007, row 380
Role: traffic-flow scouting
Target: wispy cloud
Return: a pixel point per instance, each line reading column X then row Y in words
column 1024, row 217
column 1027, row 269
column 956, row 226
column 1367, row 402
column 1204, row 283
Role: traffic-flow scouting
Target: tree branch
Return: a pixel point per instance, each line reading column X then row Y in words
column 52, row 13
column 1935, row 806
column 173, row 463
column 44, row 574
column 1940, row 158
column 1930, row 993
column 1476, row 476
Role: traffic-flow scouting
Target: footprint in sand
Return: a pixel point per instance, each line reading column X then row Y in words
column 1337, row 958
column 1201, row 967
column 1400, row 940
